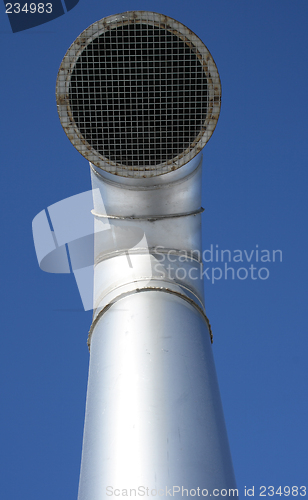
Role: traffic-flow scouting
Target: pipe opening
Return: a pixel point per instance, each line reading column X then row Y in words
column 138, row 94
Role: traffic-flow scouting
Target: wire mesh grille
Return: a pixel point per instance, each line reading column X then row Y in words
column 138, row 97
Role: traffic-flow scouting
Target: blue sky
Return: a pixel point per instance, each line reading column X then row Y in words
column 254, row 193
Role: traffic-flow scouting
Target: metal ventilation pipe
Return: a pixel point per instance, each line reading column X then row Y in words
column 138, row 95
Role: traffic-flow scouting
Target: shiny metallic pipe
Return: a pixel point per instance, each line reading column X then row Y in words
column 138, row 95
column 153, row 416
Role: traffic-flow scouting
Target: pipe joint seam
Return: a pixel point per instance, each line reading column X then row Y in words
column 150, row 218
column 147, row 289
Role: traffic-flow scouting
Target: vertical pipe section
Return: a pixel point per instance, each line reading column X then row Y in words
column 154, row 423
column 153, row 417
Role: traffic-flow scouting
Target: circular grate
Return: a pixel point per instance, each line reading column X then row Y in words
column 138, row 94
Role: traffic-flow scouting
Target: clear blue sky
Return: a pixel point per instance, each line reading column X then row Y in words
column 254, row 193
